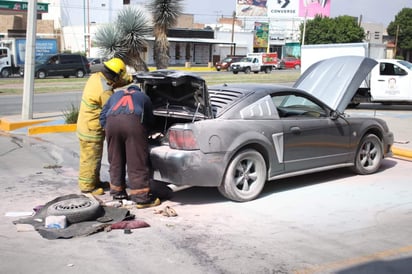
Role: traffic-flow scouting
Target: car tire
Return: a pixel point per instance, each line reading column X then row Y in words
column 80, row 73
column 247, row 70
column 5, row 73
column 268, row 70
column 369, row 155
column 76, row 209
column 245, row 176
column 235, row 72
column 41, row 74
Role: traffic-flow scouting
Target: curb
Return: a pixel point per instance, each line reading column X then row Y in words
column 10, row 126
column 51, row 129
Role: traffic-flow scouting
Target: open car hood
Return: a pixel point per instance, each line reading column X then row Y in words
column 176, row 93
column 335, row 81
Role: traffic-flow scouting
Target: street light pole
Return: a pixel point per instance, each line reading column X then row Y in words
column 28, row 86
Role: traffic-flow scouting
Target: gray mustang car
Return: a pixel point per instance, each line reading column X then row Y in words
column 236, row 137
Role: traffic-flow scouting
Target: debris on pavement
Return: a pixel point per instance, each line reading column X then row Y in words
column 166, row 211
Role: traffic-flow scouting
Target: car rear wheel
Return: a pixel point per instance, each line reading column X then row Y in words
column 369, row 155
column 41, row 74
column 79, row 73
column 245, row 176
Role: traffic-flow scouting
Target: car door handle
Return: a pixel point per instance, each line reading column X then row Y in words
column 380, row 80
column 295, row 130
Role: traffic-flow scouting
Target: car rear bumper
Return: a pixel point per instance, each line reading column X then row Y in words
column 182, row 167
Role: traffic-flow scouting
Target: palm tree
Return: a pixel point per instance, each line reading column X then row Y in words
column 165, row 14
column 125, row 38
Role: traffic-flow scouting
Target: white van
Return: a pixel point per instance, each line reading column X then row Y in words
column 391, row 81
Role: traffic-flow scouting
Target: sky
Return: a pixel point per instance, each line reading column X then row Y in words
column 208, row 11
column 372, row 11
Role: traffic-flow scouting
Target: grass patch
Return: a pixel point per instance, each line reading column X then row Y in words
column 71, row 114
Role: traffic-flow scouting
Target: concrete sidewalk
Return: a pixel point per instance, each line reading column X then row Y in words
column 47, row 124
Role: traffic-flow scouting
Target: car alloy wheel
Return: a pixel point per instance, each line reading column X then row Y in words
column 245, row 176
column 41, row 74
column 80, row 73
column 369, row 155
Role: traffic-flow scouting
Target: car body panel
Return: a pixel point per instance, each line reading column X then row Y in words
column 335, row 81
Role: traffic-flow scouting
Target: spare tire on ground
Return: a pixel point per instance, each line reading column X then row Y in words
column 76, row 210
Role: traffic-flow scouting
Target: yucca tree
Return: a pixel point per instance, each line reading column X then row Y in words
column 126, row 37
column 165, row 14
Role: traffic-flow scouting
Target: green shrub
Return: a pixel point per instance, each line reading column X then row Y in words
column 71, row 114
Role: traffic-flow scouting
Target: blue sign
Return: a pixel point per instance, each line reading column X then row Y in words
column 43, row 47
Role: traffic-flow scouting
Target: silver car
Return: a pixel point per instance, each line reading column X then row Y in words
column 236, row 137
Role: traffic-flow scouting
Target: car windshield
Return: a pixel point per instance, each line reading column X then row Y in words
column 246, row 59
column 406, row 64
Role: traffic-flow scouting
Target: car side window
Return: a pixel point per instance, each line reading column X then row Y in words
column 386, row 69
column 296, row 106
column 261, row 109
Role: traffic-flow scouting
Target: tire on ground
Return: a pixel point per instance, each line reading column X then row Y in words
column 76, row 209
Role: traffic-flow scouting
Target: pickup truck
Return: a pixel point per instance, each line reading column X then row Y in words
column 256, row 62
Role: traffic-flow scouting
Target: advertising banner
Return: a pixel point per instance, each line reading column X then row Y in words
column 311, row 8
column 260, row 39
column 282, row 8
column 43, row 47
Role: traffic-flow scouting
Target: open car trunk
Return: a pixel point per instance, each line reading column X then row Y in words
column 177, row 97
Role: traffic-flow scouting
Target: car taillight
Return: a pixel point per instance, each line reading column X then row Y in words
column 182, row 139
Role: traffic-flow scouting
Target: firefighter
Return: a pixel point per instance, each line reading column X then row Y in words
column 127, row 118
column 97, row 91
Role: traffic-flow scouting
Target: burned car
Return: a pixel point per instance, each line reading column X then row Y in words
column 236, row 137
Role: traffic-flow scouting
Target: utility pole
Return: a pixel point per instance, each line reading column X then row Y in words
column 396, row 41
column 233, row 32
column 28, row 86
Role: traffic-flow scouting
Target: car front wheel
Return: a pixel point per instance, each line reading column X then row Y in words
column 369, row 155
column 245, row 176
column 80, row 73
column 5, row 73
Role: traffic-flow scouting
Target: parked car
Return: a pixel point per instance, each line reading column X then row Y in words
column 290, row 63
column 96, row 64
column 236, row 137
column 65, row 65
column 226, row 62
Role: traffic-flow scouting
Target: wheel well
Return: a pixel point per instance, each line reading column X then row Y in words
column 259, row 148
column 374, row 131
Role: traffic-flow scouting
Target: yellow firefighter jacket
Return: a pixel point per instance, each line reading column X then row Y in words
column 95, row 94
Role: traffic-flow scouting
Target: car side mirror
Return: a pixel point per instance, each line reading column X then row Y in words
column 334, row 115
